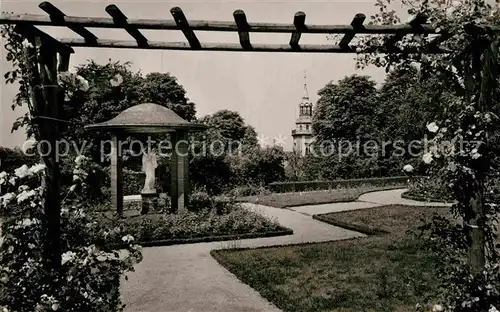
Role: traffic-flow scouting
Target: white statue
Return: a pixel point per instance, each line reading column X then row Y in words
column 148, row 166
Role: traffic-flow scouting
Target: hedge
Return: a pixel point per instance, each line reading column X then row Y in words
column 303, row 186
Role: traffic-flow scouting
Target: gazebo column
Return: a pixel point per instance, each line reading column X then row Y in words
column 116, row 176
column 179, row 170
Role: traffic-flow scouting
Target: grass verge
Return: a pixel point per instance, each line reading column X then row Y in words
column 391, row 272
column 284, row 200
column 419, row 197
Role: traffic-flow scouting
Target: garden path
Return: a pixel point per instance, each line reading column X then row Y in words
column 186, row 278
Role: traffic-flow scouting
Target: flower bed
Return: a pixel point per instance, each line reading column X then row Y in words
column 190, row 227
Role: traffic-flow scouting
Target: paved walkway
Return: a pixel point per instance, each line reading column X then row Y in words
column 185, row 278
column 368, row 200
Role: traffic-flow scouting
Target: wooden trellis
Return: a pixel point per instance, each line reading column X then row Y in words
column 118, row 20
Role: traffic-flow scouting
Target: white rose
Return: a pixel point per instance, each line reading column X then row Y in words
column 437, row 308
column 25, row 195
column 432, row 127
column 128, row 238
column 116, row 81
column 64, row 211
column 7, row 198
column 475, row 154
column 408, row 168
column 3, row 174
column 37, row 168
column 427, row 158
column 79, row 159
column 84, row 84
column 23, row 171
column 27, row 44
column 68, row 256
column 493, row 309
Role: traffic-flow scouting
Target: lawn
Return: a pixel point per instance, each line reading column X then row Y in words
column 283, row 200
column 390, row 272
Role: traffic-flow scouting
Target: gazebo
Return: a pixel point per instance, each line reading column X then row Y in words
column 146, row 119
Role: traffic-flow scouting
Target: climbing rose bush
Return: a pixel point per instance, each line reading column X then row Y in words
column 91, row 263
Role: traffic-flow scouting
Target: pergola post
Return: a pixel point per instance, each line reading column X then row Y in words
column 116, row 176
column 179, row 170
column 47, row 107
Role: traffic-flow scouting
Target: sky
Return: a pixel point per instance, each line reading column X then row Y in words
column 265, row 88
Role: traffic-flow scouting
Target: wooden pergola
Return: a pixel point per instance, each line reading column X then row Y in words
column 47, row 99
column 118, row 20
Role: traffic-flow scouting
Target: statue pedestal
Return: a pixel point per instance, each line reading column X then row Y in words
column 149, row 202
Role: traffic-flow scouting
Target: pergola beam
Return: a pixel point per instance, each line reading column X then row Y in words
column 223, row 26
column 299, row 23
column 243, row 29
column 357, row 25
column 159, row 45
column 183, row 25
column 121, row 21
column 58, row 17
column 31, row 32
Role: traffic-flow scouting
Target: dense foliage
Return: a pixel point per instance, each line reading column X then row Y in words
column 227, row 156
column 11, row 159
column 91, row 266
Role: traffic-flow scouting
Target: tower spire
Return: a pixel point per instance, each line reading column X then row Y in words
column 306, row 94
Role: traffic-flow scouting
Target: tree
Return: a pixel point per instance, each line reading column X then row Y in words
column 228, row 123
column 407, row 100
column 103, row 101
column 345, row 110
column 262, row 166
column 249, row 139
column 230, row 129
column 163, row 89
column 113, row 87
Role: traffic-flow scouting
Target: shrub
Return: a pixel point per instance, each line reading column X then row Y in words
column 133, row 182
column 199, row 200
column 89, row 276
column 11, row 159
column 428, row 188
column 248, row 190
column 263, row 166
column 284, row 187
column 212, row 173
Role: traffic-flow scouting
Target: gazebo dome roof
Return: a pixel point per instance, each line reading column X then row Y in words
column 146, row 118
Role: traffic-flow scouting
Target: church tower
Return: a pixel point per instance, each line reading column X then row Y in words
column 302, row 134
